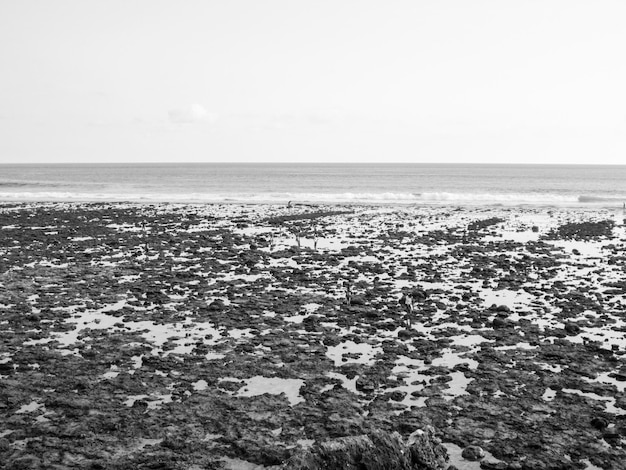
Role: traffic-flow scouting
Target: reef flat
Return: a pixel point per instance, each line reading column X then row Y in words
column 234, row 336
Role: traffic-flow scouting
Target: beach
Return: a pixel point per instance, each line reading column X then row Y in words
column 233, row 336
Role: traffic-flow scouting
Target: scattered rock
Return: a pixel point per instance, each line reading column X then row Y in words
column 473, row 453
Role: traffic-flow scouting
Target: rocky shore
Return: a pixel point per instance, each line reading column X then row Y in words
column 243, row 337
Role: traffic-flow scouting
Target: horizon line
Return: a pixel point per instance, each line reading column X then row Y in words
column 168, row 163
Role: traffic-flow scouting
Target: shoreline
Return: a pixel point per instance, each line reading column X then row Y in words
column 216, row 331
column 616, row 205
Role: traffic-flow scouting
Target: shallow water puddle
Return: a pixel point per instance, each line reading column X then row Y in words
column 468, row 340
column 523, row 236
column 456, row 459
column 457, row 386
column 200, row 385
column 154, row 401
column 259, row 385
column 365, row 352
column 549, row 394
column 183, row 334
column 607, row 336
column 450, row 359
column 112, row 373
column 590, row 466
column 244, row 278
column 283, row 262
column 238, row 464
column 513, row 299
column 240, row 333
column 311, row 307
column 412, row 372
column 586, row 249
column 295, row 318
column 94, row 319
column 31, row 407
column 609, row 401
column 511, row 347
column 416, row 381
column 348, row 384
column 605, row 378
column 212, row 356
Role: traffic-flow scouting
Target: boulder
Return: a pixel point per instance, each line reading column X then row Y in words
column 600, row 422
column 376, row 451
column 473, row 453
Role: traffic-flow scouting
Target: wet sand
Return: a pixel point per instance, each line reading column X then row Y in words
column 221, row 336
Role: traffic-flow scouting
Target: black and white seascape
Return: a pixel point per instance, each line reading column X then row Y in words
column 312, row 235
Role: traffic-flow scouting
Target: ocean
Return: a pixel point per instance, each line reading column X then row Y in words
column 444, row 184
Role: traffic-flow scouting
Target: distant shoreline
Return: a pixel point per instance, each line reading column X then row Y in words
column 424, row 164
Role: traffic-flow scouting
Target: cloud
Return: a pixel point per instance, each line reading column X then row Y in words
column 191, row 114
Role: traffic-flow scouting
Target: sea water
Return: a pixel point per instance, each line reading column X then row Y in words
column 455, row 184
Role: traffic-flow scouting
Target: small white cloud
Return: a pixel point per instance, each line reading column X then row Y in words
column 191, row 114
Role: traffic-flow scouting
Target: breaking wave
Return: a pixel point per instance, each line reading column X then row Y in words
column 426, row 198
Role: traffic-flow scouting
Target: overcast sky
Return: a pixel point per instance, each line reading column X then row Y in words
column 491, row 81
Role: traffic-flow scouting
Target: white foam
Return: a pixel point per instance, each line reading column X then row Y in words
column 386, row 197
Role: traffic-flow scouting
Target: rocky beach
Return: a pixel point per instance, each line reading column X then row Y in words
column 210, row 336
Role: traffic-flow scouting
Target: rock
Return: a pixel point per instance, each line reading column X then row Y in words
column 140, row 405
column 365, row 385
column 499, row 322
column 611, row 437
column 397, row 395
column 380, row 450
column 216, row 305
column 572, row 329
column 599, row 422
column 4, row 444
column 405, row 334
column 473, row 453
column 25, row 462
column 500, row 308
column 619, row 376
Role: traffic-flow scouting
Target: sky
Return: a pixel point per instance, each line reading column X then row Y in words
column 425, row 81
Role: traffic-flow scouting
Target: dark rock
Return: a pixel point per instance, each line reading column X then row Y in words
column 619, row 376
column 499, row 322
column 375, row 451
column 612, row 437
column 473, row 453
column 216, row 306
column 572, row 328
column 140, row 405
column 365, row 385
column 4, row 444
column 397, row 395
column 599, row 422
column 406, row 334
